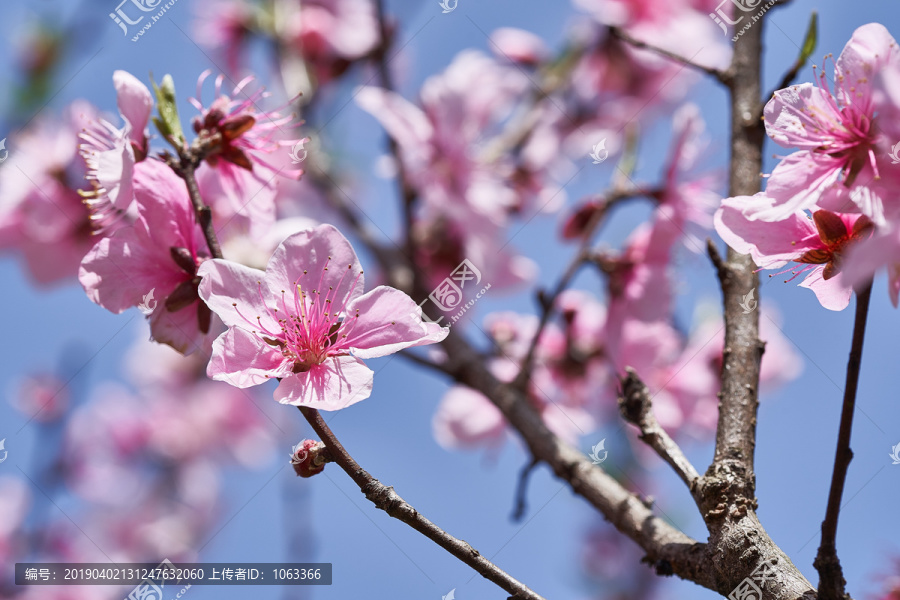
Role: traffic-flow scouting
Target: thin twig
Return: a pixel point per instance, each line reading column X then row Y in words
column 792, row 73
column 407, row 193
column 722, row 76
column 422, row 361
column 548, row 302
column 386, row 499
column 636, row 407
column 831, row 578
column 203, row 212
column 185, row 166
column 716, row 259
column 521, row 504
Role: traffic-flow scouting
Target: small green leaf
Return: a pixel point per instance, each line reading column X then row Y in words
column 812, row 39
column 168, row 123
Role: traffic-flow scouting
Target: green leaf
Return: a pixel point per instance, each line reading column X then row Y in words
column 812, row 39
column 168, row 123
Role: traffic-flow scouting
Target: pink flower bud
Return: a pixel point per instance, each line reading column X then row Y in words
column 518, row 45
column 309, row 458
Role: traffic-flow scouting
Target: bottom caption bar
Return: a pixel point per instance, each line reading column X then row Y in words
column 152, row 576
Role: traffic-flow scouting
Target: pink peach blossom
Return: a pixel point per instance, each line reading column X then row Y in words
column 242, row 201
column 638, row 279
column 111, row 152
column 615, row 84
column 819, row 242
column 15, row 500
column 239, row 178
column 43, row 397
column 863, row 260
column 837, row 136
column 160, row 253
column 325, row 327
column 697, row 374
column 442, row 244
column 654, row 350
column 465, row 418
column 568, row 372
column 687, row 199
column 224, row 25
column 249, row 136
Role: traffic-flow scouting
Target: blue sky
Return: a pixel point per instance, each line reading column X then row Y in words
column 467, row 493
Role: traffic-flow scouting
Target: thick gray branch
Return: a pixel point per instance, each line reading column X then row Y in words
column 727, row 490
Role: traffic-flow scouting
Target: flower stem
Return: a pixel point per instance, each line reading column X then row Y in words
column 831, row 577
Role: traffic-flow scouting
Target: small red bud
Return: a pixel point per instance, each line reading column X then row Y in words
column 309, row 458
column 577, row 224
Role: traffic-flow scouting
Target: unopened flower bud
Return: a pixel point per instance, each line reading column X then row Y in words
column 309, row 457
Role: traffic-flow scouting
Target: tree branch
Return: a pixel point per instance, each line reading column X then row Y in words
column 669, row 550
column 737, row 541
column 723, row 77
column 736, row 431
column 831, row 577
column 636, row 407
column 386, row 499
column 726, row 492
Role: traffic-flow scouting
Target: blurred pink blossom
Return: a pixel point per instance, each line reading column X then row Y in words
column 15, row 501
column 330, row 34
column 224, row 25
column 568, row 371
column 518, row 46
column 441, row 143
column 41, row 213
column 42, row 396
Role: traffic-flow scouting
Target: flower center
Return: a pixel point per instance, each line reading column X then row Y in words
column 835, row 238
column 313, row 322
column 849, row 131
